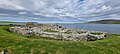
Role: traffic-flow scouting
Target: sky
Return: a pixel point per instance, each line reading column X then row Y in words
column 58, row 10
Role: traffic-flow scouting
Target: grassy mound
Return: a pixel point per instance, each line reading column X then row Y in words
column 17, row 44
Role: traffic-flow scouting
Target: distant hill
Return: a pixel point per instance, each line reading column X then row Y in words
column 13, row 23
column 108, row 21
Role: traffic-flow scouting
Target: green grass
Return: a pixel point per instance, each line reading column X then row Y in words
column 96, row 33
column 17, row 44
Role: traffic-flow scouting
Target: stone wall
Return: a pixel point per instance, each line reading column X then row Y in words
column 73, row 35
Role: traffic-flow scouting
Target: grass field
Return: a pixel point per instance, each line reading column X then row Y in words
column 17, row 44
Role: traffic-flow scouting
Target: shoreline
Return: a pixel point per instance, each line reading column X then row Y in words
column 16, row 43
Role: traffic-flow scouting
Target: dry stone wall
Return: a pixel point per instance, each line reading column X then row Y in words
column 57, row 32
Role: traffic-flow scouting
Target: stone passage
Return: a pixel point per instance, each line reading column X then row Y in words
column 58, row 32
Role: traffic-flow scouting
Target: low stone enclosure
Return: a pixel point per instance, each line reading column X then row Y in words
column 58, row 32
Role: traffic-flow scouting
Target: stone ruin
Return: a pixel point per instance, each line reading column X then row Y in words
column 57, row 32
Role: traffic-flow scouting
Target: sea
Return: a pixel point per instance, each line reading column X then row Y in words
column 109, row 28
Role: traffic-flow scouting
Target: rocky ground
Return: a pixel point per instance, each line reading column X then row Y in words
column 57, row 32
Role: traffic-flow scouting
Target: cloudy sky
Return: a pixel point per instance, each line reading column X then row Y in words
column 59, row 10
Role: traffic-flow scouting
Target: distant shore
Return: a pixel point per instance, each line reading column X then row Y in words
column 108, row 21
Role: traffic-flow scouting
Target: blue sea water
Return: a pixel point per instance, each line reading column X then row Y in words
column 110, row 28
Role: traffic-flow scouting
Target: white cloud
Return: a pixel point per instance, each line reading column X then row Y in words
column 7, row 4
column 22, row 13
column 63, row 8
column 3, row 14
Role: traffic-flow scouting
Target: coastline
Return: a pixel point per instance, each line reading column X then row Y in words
column 15, row 43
